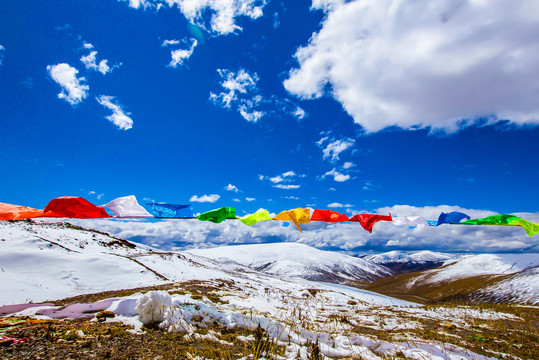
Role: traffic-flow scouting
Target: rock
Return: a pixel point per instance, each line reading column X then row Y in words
column 103, row 315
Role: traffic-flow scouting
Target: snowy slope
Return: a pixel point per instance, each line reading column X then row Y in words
column 484, row 277
column 46, row 261
column 298, row 260
column 485, row 264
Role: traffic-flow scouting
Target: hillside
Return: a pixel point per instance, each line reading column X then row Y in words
column 482, row 278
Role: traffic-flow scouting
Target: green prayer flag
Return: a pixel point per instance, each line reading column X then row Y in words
column 503, row 219
column 260, row 215
column 218, row 215
column 531, row 228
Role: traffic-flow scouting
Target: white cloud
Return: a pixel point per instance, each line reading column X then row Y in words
column 285, row 177
column 90, row 61
column 205, row 198
column 339, row 205
column 223, row 12
column 185, row 234
column 139, row 3
column 240, row 90
column 170, row 42
column 289, row 174
column 88, row 45
column 98, row 196
column 180, row 55
column 73, row 91
column 250, row 199
column 337, row 176
column 234, row 83
column 118, row 117
column 348, row 165
column 276, row 179
column 333, row 149
column 427, row 63
column 231, row 187
column 299, row 113
column 286, row 187
column 103, row 68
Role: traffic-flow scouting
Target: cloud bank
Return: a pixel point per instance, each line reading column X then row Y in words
column 189, row 234
column 424, row 64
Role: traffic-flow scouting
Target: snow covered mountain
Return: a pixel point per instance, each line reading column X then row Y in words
column 407, row 256
column 484, row 277
column 298, row 260
column 406, row 261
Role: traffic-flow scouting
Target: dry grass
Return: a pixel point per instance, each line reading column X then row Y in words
column 513, row 336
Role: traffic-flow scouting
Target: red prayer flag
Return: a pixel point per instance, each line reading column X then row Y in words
column 73, row 207
column 328, row 216
column 367, row 220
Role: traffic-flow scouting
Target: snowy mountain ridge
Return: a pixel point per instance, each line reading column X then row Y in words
column 397, row 256
column 297, row 260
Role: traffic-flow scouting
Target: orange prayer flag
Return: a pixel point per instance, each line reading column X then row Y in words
column 17, row 212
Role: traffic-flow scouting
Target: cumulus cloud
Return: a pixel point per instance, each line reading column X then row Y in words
column 223, row 12
column 424, row 64
column 205, row 198
column 73, row 90
column 239, row 91
column 180, row 55
column 2, row 49
column 348, row 165
column 231, row 187
column 118, row 117
column 337, row 176
column 184, row 234
column 87, row 45
column 250, row 199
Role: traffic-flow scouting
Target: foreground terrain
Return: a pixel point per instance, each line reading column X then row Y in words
column 185, row 306
column 221, row 320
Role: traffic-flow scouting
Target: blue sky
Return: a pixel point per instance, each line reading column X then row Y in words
column 358, row 105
